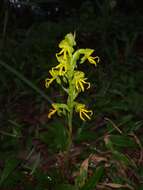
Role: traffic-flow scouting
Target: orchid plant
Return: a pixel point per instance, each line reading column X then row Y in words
column 71, row 80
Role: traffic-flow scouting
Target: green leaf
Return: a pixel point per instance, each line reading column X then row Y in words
column 126, row 119
column 123, row 158
column 108, row 143
column 35, row 164
column 83, row 174
column 122, row 141
column 85, row 135
column 56, row 137
column 10, row 165
column 92, row 182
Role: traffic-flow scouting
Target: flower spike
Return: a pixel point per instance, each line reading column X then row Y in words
column 70, row 79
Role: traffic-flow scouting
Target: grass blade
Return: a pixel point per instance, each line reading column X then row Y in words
column 25, row 80
column 10, row 165
column 92, row 182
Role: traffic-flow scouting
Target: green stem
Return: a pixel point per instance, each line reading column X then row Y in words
column 70, row 115
column 71, row 96
column 70, row 103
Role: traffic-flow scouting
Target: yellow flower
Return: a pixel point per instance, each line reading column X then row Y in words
column 52, row 110
column 62, row 66
column 59, row 108
column 83, row 112
column 66, row 49
column 67, row 46
column 54, row 74
column 70, row 38
column 91, row 59
column 80, row 81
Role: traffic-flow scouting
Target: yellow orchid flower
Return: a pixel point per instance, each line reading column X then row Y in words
column 54, row 74
column 70, row 38
column 83, row 112
column 66, row 49
column 80, row 81
column 91, row 59
column 67, row 46
column 59, row 108
column 62, row 66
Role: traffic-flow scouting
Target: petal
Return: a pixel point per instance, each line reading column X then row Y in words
column 88, row 84
column 76, row 85
column 80, row 114
column 98, row 59
column 48, row 82
column 89, row 112
column 65, row 54
column 85, row 113
column 60, row 70
column 52, row 112
column 81, row 85
column 91, row 60
column 60, row 52
column 83, row 59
